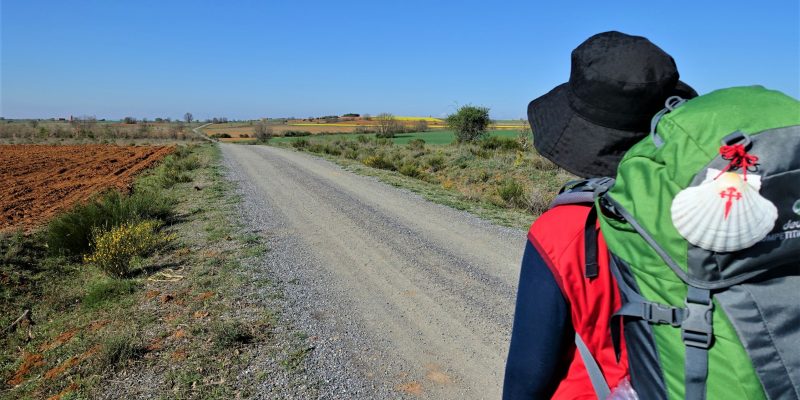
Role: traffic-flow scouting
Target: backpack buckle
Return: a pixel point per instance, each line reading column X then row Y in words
column 697, row 328
column 662, row 314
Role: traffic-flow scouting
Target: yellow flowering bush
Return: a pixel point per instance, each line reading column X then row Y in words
column 113, row 250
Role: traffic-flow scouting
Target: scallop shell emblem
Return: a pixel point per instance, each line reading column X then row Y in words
column 724, row 213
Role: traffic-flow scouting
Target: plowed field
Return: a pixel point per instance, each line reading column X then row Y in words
column 39, row 181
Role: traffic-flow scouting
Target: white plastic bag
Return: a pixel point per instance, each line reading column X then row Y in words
column 623, row 391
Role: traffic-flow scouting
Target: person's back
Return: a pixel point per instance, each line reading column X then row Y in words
column 617, row 83
column 583, row 305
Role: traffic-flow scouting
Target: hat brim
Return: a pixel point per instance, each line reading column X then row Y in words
column 579, row 146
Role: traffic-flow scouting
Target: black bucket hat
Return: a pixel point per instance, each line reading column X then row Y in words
column 616, row 85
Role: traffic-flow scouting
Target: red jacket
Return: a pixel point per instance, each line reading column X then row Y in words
column 558, row 236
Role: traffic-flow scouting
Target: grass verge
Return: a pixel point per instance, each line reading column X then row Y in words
column 498, row 178
column 184, row 319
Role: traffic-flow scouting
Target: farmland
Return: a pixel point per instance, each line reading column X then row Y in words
column 89, row 130
column 245, row 130
column 39, row 181
column 172, row 317
column 439, row 137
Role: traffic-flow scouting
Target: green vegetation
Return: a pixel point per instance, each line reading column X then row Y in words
column 87, row 129
column 71, row 233
column 437, row 137
column 176, row 313
column 469, row 123
column 113, row 249
column 499, row 177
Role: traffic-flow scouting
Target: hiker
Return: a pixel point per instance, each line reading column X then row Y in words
column 566, row 294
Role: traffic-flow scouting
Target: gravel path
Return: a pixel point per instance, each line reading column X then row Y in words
column 401, row 297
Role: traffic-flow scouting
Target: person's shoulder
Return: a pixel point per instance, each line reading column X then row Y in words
column 565, row 217
column 559, row 228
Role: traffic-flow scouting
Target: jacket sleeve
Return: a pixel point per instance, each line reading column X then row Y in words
column 542, row 333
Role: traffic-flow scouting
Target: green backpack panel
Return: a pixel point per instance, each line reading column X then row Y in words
column 698, row 323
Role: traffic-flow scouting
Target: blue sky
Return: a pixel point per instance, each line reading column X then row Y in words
column 248, row 59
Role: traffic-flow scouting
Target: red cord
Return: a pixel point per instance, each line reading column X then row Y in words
column 739, row 158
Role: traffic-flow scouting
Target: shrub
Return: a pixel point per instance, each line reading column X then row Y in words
column 378, row 161
column 220, row 135
column 410, row 169
column 332, row 150
column 496, row 142
column 263, row 132
column 293, row 133
column 469, row 123
column 538, row 201
column 387, row 125
column 524, row 139
column 512, row 193
column 436, row 162
column 300, row 144
column 114, row 249
column 421, row 126
column 70, row 233
column 363, row 139
column 416, row 144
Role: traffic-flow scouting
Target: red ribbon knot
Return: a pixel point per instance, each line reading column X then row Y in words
column 739, row 158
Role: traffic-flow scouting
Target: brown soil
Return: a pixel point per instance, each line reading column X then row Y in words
column 204, row 296
column 69, row 389
column 29, row 362
column 59, row 340
column 70, row 362
column 39, row 181
column 412, row 387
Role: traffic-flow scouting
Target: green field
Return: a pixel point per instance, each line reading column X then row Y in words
column 432, row 137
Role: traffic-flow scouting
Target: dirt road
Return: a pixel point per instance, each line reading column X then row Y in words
column 401, row 297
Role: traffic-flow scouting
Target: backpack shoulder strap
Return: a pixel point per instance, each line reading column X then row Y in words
column 586, row 192
column 582, row 191
column 599, row 383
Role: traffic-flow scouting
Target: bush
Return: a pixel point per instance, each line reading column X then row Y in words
column 416, row 144
column 469, row 123
column 71, row 233
column 263, row 132
column 293, row 133
column 410, row 169
column 378, row 161
column 220, row 136
column 114, row 249
column 436, row 162
column 300, row 144
column 496, row 142
column 387, row 125
column 512, row 193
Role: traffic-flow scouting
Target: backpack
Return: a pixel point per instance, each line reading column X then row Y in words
column 700, row 322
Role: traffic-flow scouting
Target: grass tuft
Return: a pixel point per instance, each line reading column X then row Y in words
column 230, row 334
column 108, row 291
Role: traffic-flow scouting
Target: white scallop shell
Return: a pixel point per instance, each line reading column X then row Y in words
column 699, row 212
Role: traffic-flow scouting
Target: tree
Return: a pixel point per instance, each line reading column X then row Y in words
column 188, row 117
column 469, row 123
column 421, row 126
column 387, row 125
column 263, row 132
